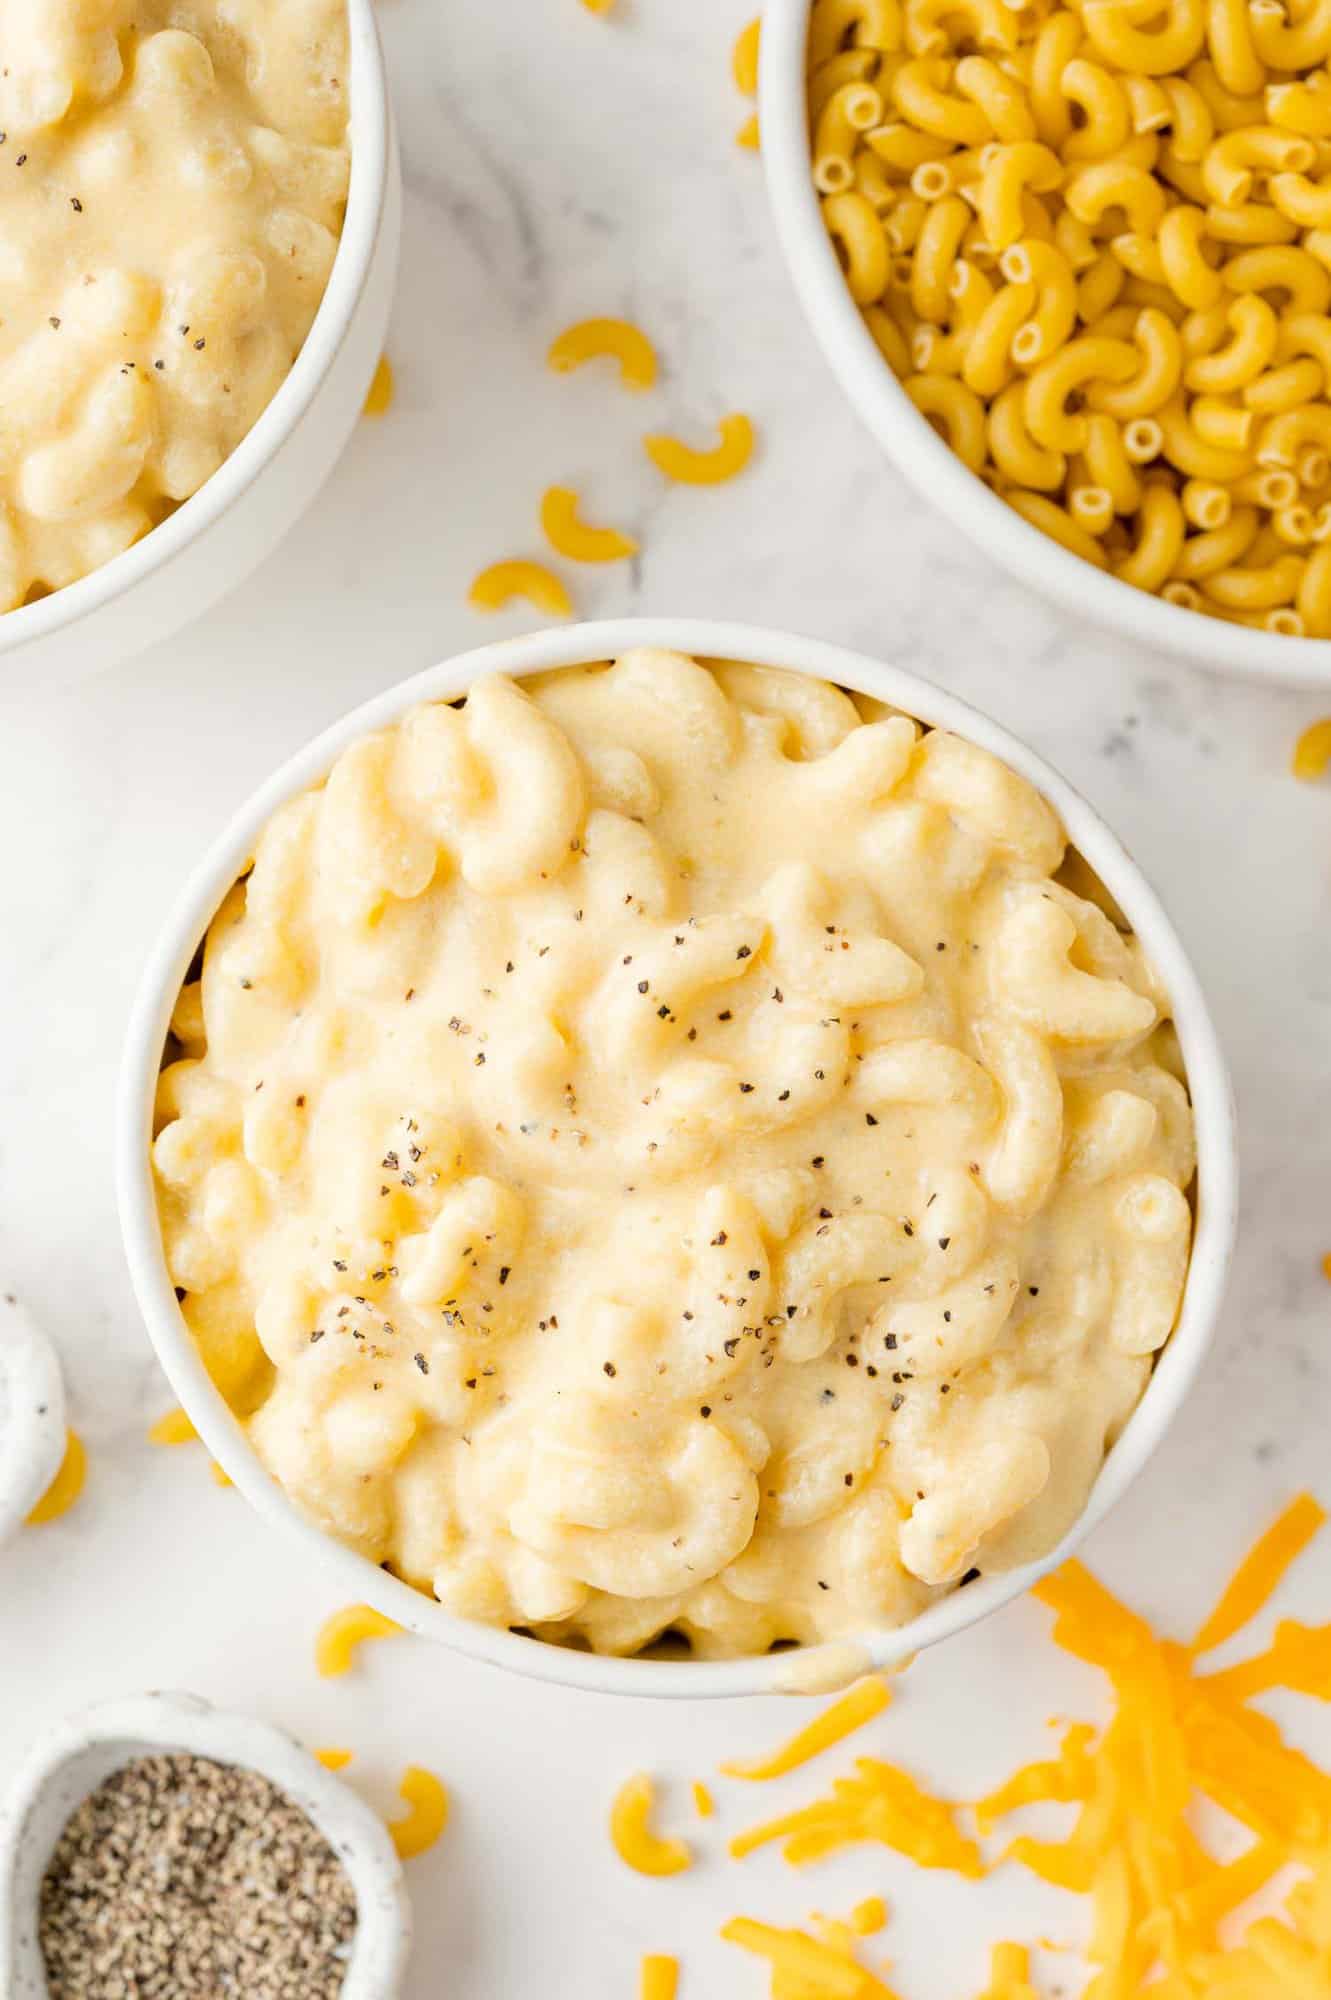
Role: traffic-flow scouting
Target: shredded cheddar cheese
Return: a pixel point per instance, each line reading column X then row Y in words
column 879, row 1803
column 220, row 1478
column 427, row 1815
column 503, row 581
column 704, row 468
column 868, row 1917
column 333, row 1760
column 634, row 1841
column 593, row 339
column 704, row 1803
column 805, row 1966
column 660, row 1977
column 342, row 1634
column 569, row 536
column 1260, row 1573
column 1326, row 1266
column 379, row 398
column 859, row 1705
column 747, row 135
column 174, row 1428
column 1010, row 1974
column 1312, row 752
column 66, row 1487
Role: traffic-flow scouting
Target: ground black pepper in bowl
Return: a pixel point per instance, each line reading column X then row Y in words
column 184, row 1879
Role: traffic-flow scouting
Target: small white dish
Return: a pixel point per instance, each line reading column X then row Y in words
column 911, row 441
column 237, row 517
column 71, row 1760
column 804, row 1669
column 32, row 1414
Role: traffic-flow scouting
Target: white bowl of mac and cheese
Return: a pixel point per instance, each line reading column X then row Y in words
column 1055, row 259
column 716, row 1146
column 201, row 236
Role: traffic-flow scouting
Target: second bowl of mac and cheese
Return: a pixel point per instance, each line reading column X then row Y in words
column 201, row 226
column 663, row 1136
column 1071, row 270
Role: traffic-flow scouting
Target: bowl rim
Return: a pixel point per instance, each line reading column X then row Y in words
column 369, row 130
column 914, row 446
column 803, row 1668
column 100, row 1739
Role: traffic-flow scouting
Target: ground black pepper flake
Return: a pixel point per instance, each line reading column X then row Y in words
column 181, row 1876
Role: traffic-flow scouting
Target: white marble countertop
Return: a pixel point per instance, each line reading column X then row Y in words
column 567, row 166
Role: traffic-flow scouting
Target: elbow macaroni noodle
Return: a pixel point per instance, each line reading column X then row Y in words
column 1094, row 241
column 672, row 1147
column 173, row 200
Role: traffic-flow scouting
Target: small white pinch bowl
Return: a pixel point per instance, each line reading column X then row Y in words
column 921, row 455
column 803, row 1669
column 72, row 1759
column 218, row 536
column 32, row 1415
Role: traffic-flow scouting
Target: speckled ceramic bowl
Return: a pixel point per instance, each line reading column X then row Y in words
column 74, row 1758
column 32, row 1414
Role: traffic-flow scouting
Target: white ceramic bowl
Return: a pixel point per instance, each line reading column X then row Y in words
column 357, row 1578
column 223, row 531
column 32, row 1414
column 918, row 450
column 71, row 1760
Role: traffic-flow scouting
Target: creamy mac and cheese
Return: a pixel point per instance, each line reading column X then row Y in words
column 174, row 174
column 679, row 1146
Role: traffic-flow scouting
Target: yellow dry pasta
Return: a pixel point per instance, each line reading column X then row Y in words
column 344, row 1632
column 659, row 1977
column 598, row 339
column 66, row 1487
column 849, row 1712
column 571, row 537
column 379, row 397
column 744, row 56
column 498, row 585
column 1312, row 759
column 1093, row 240
column 174, row 1428
column 634, row 1842
column 703, row 1802
column 427, row 1812
column 681, row 462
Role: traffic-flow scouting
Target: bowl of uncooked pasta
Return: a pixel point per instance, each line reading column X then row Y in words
column 1072, row 267
column 679, row 1158
column 175, row 398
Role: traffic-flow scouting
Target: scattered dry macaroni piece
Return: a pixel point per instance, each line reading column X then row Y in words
column 859, row 1705
column 503, row 581
column 167, row 243
column 344, row 1632
column 1095, row 245
column 333, row 1760
column 633, row 1839
column 704, row 468
column 704, row 1803
column 66, row 1487
column 1312, row 752
column 428, row 1816
column 744, row 56
column 379, row 399
column 591, row 339
column 879, row 1803
column 572, row 538
column 868, row 1917
column 174, row 1428
column 660, row 1977
column 598, row 6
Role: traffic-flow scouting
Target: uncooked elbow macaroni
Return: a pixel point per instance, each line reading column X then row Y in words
column 174, row 182
column 1095, row 244
column 675, row 1147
